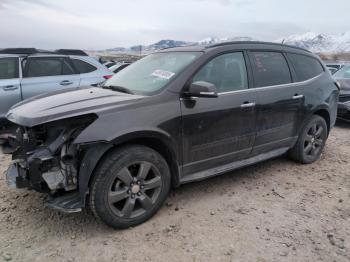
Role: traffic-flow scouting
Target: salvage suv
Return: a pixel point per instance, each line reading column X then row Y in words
column 176, row 116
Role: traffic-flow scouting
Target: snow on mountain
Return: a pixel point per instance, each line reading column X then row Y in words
column 312, row 41
column 156, row 46
column 167, row 44
column 316, row 42
column 214, row 40
column 344, row 41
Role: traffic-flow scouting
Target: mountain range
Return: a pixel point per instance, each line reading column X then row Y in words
column 320, row 43
column 315, row 42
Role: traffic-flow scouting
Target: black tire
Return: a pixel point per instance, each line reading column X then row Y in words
column 129, row 186
column 311, row 141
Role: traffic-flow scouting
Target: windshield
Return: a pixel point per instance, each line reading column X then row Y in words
column 153, row 72
column 343, row 73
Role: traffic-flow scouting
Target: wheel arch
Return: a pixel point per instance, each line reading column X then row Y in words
column 326, row 116
column 95, row 153
column 321, row 111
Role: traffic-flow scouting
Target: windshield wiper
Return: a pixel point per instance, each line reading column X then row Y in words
column 119, row 89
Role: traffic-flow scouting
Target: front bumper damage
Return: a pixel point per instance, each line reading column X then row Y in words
column 17, row 177
column 46, row 160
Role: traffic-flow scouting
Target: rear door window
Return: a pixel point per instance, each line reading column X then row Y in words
column 305, row 67
column 9, row 68
column 269, row 69
column 83, row 67
column 47, row 66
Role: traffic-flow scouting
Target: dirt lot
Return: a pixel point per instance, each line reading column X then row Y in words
column 273, row 211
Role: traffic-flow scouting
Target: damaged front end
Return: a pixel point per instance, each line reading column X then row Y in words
column 45, row 159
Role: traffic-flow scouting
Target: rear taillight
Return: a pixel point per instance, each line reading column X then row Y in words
column 107, row 76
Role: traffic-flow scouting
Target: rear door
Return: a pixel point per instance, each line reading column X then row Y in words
column 10, row 89
column 279, row 101
column 47, row 74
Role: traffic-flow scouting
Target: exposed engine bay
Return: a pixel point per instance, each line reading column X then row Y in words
column 45, row 158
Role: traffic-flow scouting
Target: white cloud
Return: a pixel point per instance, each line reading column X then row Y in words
column 110, row 23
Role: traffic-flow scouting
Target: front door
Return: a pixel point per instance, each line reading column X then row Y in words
column 10, row 89
column 218, row 131
column 47, row 74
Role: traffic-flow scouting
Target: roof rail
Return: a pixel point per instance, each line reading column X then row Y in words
column 24, row 51
column 71, row 52
column 32, row 51
column 255, row 42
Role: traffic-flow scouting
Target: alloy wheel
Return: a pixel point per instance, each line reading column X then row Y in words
column 135, row 190
column 314, row 140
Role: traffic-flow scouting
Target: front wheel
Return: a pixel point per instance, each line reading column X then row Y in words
column 129, row 186
column 311, row 141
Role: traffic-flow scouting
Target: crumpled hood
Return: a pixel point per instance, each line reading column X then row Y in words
column 66, row 103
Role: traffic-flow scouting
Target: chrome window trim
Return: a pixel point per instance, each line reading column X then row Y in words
column 275, row 86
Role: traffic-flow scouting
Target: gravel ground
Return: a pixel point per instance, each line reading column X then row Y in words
column 274, row 211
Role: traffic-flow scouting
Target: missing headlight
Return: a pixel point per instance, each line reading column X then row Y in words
column 48, row 156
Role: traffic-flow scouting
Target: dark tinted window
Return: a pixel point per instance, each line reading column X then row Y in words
column 120, row 68
column 46, row 66
column 67, row 68
column 9, row 68
column 110, row 64
column 83, row 67
column 305, row 67
column 228, row 72
column 270, row 68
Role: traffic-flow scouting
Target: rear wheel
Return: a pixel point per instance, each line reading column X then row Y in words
column 311, row 141
column 130, row 186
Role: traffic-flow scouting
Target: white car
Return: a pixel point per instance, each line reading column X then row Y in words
column 27, row 72
column 118, row 67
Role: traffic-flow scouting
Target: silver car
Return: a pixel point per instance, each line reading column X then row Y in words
column 27, row 74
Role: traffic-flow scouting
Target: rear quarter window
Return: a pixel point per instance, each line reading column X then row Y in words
column 83, row 67
column 269, row 69
column 305, row 67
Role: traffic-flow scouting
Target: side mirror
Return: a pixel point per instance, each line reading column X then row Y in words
column 202, row 89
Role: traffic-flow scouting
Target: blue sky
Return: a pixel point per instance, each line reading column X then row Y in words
column 110, row 23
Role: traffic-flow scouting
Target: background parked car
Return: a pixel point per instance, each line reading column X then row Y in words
column 119, row 66
column 343, row 78
column 26, row 72
column 109, row 64
column 332, row 70
column 335, row 65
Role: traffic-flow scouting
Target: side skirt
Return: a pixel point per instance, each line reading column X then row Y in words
column 232, row 166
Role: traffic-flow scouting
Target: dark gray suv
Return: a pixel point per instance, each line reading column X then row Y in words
column 173, row 117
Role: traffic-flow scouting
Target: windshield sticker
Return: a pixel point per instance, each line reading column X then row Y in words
column 163, row 74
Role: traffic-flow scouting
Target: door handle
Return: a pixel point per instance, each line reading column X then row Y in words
column 298, row 96
column 66, row 83
column 10, row 87
column 247, row 105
